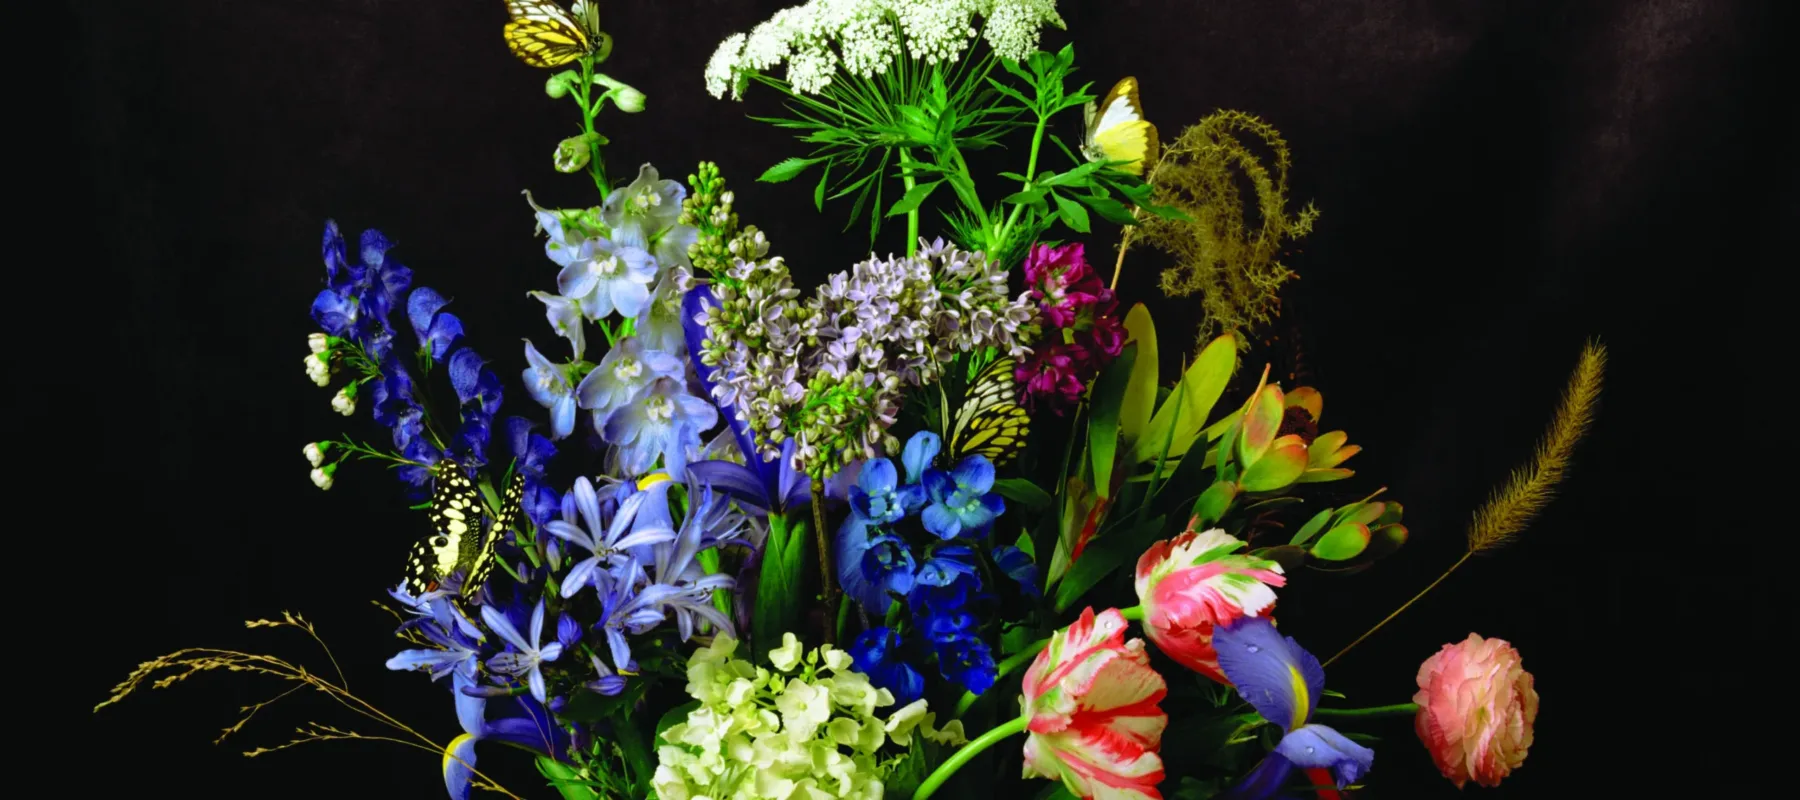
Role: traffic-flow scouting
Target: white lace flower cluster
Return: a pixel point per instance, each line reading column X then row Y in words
column 870, row 35
column 807, row 730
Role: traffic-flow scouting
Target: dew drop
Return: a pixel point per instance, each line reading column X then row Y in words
column 1252, row 648
column 1309, row 751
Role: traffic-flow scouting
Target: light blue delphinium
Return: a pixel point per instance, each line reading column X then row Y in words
column 662, row 420
column 606, row 275
column 549, row 385
column 564, row 316
column 622, row 373
column 646, row 214
column 660, row 325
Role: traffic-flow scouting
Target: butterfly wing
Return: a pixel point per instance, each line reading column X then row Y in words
column 990, row 422
column 1121, row 133
column 456, row 524
column 484, row 557
column 542, row 34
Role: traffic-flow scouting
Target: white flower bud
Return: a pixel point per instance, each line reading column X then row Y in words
column 318, row 342
column 321, row 476
column 318, row 369
column 315, row 454
column 344, row 402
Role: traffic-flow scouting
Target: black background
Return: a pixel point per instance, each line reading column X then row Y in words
column 1498, row 182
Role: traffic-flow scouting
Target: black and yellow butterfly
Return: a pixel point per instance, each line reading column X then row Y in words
column 990, row 422
column 458, row 542
column 543, row 35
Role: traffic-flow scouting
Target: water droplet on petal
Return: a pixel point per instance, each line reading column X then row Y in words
column 1252, row 648
column 1309, row 751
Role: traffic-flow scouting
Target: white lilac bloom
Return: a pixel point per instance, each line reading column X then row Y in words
column 622, row 373
column 605, row 275
column 549, row 384
column 870, row 35
column 662, row 420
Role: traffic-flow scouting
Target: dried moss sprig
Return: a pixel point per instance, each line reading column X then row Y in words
column 1218, row 255
column 1529, row 490
column 168, row 670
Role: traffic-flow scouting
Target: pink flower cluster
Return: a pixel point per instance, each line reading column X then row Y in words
column 1081, row 332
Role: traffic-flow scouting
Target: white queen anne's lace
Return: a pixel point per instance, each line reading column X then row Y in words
column 869, row 35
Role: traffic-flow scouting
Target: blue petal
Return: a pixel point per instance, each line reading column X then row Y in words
column 536, row 681
column 852, row 543
column 1274, row 673
column 975, row 475
column 444, row 332
column 465, row 373
column 910, row 497
column 1318, row 746
column 878, row 477
column 1265, row 780
column 332, row 312
column 533, row 730
column 374, row 247
column 459, row 764
column 331, row 249
column 693, row 304
column 941, row 521
column 499, row 624
column 421, row 306
column 471, row 711
column 562, row 416
column 432, row 659
column 920, row 450
column 740, row 482
column 1018, row 566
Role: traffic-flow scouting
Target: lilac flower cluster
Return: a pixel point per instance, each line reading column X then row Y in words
column 931, row 566
column 355, row 313
column 829, row 372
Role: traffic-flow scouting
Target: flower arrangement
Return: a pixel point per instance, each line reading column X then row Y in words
column 972, row 551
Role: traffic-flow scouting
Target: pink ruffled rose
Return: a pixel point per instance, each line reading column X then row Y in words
column 1476, row 708
column 1194, row 582
column 1091, row 700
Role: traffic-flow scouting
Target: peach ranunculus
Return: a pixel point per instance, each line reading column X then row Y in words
column 1194, row 582
column 1091, row 712
column 1476, row 709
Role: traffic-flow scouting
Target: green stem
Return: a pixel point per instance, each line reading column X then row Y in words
column 1400, row 710
column 589, row 110
column 1037, row 139
column 968, row 751
column 1132, row 614
column 1007, row 667
column 827, row 584
column 912, row 217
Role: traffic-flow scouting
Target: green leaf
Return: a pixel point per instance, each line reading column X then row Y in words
column 1140, row 391
column 819, row 191
column 1073, row 215
column 1262, row 420
column 1075, row 177
column 1214, row 502
column 563, row 777
column 1288, row 556
column 789, row 169
column 1273, row 471
column 775, row 613
column 1024, row 491
column 1109, row 209
column 1202, row 385
column 1103, row 425
column 1342, row 543
column 1024, row 196
column 914, row 196
column 1312, row 526
column 1101, row 557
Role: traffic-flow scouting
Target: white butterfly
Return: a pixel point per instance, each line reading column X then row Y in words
column 1119, row 132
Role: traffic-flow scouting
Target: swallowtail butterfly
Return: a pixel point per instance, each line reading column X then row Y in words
column 458, row 542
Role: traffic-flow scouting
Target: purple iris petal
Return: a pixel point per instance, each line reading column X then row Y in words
column 1272, row 672
column 920, row 450
column 695, row 302
column 1318, row 746
column 740, row 482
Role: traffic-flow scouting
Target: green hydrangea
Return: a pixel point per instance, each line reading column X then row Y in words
column 806, row 730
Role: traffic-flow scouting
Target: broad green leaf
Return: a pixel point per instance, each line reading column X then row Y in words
column 1342, row 543
column 819, row 191
column 788, row 169
column 1109, row 209
column 777, row 612
column 1201, row 387
column 1383, row 541
column 1103, row 425
column 1140, row 391
column 1073, row 215
column 1101, row 557
column 1279, row 468
column 1025, row 544
column 564, row 778
column 1312, row 526
column 1024, row 491
column 1288, row 556
column 1262, row 420
column 1214, row 502
column 1023, row 197
column 913, row 197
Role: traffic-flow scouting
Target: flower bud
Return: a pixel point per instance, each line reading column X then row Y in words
column 318, row 369
column 558, row 85
column 321, row 476
column 315, row 452
column 318, row 342
column 572, row 154
column 345, row 401
column 627, row 98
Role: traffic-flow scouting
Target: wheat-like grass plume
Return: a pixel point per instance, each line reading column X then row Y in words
column 1532, row 486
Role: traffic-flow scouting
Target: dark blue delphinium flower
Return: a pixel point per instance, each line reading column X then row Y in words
column 478, row 388
column 888, row 566
column 437, row 330
column 877, row 655
column 360, row 297
column 966, row 660
column 963, row 501
column 1018, row 565
column 878, row 497
column 531, row 455
column 523, row 656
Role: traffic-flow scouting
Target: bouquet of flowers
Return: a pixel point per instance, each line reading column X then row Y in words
column 849, row 540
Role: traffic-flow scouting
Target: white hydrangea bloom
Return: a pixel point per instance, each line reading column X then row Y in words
column 781, row 734
column 864, row 37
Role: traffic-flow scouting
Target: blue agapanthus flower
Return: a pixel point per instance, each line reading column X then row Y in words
column 1283, row 682
column 524, row 657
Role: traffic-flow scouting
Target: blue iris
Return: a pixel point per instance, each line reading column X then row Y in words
column 1284, row 682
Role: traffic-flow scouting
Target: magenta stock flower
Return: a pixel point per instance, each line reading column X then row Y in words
column 1091, row 704
column 1477, row 706
column 1194, row 582
column 1081, row 332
